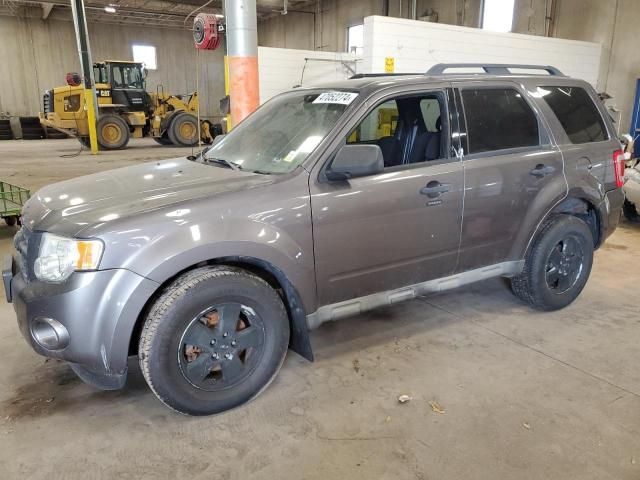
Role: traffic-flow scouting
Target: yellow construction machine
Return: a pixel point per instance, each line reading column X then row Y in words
column 125, row 109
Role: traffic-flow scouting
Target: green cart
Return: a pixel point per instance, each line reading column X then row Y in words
column 12, row 198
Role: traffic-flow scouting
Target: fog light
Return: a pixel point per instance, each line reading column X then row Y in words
column 49, row 333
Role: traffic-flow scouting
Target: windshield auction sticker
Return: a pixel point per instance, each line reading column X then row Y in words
column 341, row 98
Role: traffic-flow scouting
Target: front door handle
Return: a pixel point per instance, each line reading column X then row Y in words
column 542, row 170
column 434, row 189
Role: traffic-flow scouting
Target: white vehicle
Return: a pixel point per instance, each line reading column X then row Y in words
column 631, row 185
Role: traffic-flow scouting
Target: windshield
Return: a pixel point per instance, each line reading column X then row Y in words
column 126, row 76
column 282, row 133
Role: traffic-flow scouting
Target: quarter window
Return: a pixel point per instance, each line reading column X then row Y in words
column 498, row 119
column 576, row 112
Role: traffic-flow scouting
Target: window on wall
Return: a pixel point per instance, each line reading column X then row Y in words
column 497, row 15
column 355, row 39
column 145, row 54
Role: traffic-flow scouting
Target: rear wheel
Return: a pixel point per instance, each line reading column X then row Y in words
column 183, row 130
column 10, row 221
column 631, row 212
column 113, row 132
column 213, row 340
column 558, row 265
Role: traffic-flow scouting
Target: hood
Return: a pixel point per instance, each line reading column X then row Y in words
column 69, row 207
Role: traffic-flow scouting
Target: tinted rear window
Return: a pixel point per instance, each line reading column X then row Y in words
column 576, row 112
column 497, row 119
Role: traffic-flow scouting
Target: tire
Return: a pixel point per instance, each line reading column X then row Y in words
column 542, row 283
column 630, row 212
column 185, row 321
column 113, row 132
column 52, row 134
column 10, row 221
column 6, row 136
column 162, row 140
column 183, row 130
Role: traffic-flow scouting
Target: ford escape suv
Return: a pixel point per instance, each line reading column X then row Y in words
column 325, row 202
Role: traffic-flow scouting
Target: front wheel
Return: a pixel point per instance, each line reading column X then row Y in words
column 558, row 264
column 213, row 340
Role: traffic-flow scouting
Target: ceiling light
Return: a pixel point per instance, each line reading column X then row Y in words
column 219, row 15
column 110, row 9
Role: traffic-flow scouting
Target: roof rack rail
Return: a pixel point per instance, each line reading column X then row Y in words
column 367, row 75
column 493, row 68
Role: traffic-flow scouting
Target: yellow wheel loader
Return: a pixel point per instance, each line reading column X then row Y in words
column 125, row 109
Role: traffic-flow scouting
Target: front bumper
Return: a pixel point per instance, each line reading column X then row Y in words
column 97, row 309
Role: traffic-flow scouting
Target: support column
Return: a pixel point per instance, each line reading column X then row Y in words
column 242, row 53
column 84, row 51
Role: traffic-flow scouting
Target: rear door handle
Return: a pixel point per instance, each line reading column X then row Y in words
column 434, row 189
column 542, row 170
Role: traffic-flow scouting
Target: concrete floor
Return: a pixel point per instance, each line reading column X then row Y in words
column 525, row 395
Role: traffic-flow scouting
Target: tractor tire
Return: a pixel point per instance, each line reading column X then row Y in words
column 113, row 132
column 163, row 140
column 6, row 136
column 50, row 133
column 183, row 130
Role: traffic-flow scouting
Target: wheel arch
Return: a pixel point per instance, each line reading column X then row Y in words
column 585, row 210
column 299, row 340
column 577, row 206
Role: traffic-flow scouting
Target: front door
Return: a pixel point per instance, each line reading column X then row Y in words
column 513, row 174
column 399, row 227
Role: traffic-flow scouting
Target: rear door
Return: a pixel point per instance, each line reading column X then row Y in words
column 399, row 227
column 513, row 172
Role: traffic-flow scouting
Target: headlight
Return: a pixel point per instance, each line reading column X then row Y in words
column 59, row 257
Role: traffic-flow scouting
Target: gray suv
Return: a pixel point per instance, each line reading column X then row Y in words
column 325, row 202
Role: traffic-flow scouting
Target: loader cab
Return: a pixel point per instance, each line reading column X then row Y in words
column 122, row 83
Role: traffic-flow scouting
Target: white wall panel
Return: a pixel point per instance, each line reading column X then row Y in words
column 281, row 69
column 416, row 46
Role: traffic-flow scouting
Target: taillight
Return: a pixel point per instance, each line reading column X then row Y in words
column 618, row 167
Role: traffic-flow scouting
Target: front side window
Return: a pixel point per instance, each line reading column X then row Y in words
column 576, row 112
column 407, row 129
column 127, row 76
column 283, row 132
column 498, row 119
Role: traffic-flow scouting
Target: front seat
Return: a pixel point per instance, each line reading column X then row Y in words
column 427, row 145
column 390, row 147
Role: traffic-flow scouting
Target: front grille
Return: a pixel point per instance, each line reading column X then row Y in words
column 21, row 242
column 47, row 102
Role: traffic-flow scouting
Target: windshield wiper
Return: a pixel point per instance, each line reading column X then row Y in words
column 223, row 162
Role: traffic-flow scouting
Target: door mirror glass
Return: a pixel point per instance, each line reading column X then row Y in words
column 353, row 161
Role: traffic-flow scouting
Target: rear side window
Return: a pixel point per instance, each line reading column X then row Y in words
column 498, row 119
column 576, row 112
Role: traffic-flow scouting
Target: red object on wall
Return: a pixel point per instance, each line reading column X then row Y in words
column 205, row 31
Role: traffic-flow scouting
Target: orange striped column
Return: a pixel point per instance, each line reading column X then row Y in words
column 242, row 57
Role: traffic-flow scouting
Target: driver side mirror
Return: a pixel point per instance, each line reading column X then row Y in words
column 353, row 161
